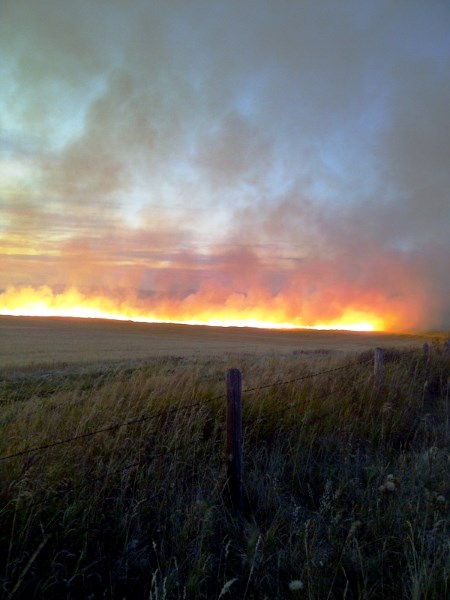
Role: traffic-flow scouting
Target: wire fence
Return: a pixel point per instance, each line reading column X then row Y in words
column 170, row 411
column 136, row 421
column 167, row 412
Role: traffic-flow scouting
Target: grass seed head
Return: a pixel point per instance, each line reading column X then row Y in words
column 296, row 585
column 390, row 486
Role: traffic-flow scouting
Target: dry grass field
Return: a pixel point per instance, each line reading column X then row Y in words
column 37, row 340
column 113, row 468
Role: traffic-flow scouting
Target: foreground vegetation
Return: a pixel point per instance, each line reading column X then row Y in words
column 346, row 485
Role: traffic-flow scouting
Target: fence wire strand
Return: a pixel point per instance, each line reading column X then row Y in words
column 164, row 413
column 307, row 376
column 114, row 427
column 174, row 410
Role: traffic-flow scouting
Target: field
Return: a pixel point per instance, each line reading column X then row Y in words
column 37, row 341
column 113, row 465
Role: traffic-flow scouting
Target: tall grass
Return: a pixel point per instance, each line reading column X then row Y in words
column 346, row 488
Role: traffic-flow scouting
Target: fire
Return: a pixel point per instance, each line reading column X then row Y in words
column 44, row 302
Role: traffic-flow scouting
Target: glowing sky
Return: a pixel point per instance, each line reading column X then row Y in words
column 283, row 162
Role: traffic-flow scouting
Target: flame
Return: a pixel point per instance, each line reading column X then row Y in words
column 43, row 301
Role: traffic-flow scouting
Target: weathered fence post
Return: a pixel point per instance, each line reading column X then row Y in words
column 234, row 440
column 426, row 352
column 379, row 367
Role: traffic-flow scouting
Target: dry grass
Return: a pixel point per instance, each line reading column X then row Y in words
column 52, row 341
column 346, row 490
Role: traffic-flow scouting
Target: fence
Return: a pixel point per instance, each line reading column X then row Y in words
column 234, row 424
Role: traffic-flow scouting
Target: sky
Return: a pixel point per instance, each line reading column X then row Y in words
column 234, row 162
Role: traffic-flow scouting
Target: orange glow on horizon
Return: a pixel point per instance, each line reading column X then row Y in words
column 44, row 302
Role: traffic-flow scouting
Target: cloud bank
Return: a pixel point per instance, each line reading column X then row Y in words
column 285, row 162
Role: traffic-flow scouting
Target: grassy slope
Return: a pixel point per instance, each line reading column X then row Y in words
column 346, row 490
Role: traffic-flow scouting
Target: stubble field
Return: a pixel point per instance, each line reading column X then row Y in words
column 39, row 341
column 113, row 467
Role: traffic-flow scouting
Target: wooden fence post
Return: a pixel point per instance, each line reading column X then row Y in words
column 379, row 367
column 234, row 440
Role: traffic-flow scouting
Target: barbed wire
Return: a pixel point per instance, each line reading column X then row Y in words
column 291, row 405
column 166, row 412
column 307, row 376
column 136, row 421
column 174, row 410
